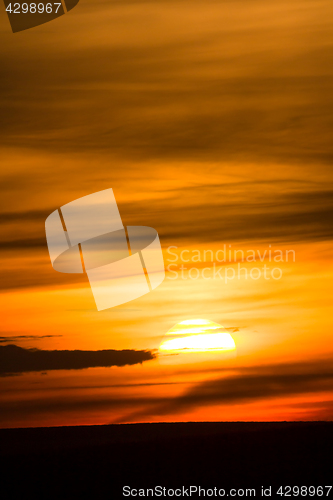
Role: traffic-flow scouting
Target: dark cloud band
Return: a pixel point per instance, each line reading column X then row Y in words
column 14, row 359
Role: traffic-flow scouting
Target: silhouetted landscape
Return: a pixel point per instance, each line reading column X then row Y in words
column 97, row 461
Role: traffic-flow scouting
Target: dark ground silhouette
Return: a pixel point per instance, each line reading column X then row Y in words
column 97, row 461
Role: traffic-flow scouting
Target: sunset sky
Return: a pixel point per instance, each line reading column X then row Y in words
column 212, row 121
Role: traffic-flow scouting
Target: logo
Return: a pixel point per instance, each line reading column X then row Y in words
column 25, row 15
column 88, row 236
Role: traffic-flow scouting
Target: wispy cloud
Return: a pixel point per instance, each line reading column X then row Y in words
column 248, row 385
column 231, row 85
column 232, row 387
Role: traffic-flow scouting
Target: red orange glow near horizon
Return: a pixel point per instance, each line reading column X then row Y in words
column 211, row 122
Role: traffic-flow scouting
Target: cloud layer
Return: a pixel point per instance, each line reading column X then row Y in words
column 245, row 385
column 251, row 81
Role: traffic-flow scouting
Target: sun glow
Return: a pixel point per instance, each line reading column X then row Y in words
column 202, row 336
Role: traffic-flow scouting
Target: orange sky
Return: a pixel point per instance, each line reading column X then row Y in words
column 212, row 123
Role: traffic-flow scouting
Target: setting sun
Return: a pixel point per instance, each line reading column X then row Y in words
column 198, row 335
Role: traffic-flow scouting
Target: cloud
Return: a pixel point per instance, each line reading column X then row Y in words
column 163, row 83
column 226, row 100
column 14, row 359
column 248, row 385
column 275, row 213
column 283, row 217
column 240, row 386
column 297, row 215
column 26, row 216
column 18, row 338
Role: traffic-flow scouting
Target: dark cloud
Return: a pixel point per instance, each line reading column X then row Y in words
column 14, row 359
column 23, row 244
column 26, row 216
column 19, row 338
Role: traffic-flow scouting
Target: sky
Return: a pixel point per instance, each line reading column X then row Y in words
column 212, row 123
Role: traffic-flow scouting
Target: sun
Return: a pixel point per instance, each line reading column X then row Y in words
column 197, row 335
